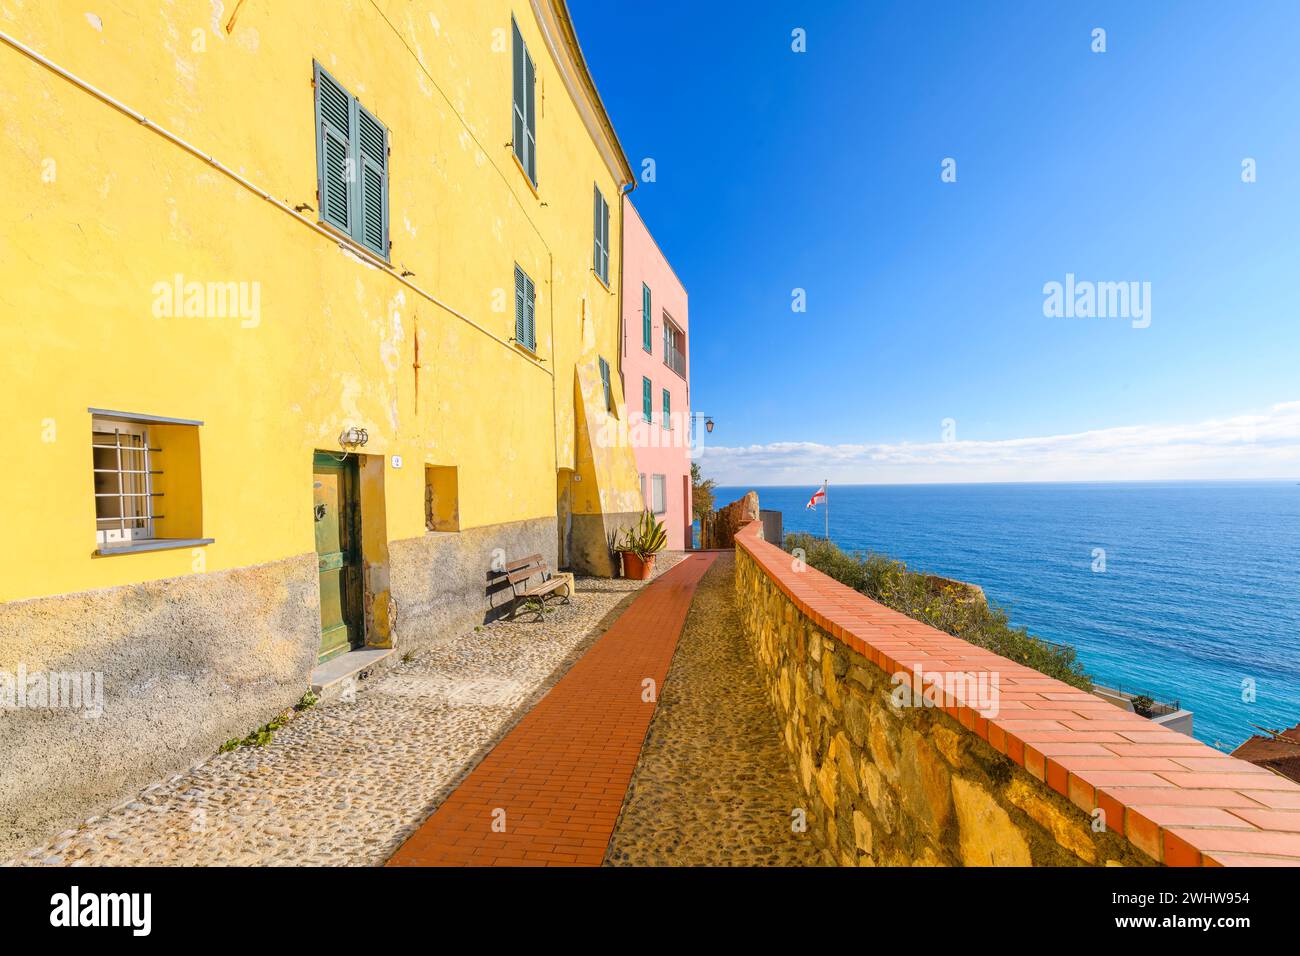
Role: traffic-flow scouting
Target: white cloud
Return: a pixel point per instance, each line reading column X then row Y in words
column 1263, row 445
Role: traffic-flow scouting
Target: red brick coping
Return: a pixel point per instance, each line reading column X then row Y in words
column 1176, row 799
column 555, row 785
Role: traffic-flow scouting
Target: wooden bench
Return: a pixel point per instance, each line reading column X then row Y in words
column 520, row 572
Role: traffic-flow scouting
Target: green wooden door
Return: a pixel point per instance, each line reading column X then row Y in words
column 338, row 549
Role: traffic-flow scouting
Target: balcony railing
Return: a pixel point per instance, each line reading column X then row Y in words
column 675, row 360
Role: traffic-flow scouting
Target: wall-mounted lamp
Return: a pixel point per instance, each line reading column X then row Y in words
column 353, row 437
column 708, row 425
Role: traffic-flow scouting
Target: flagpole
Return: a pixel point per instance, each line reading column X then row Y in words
column 825, row 486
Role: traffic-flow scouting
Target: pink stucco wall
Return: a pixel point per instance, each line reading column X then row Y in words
column 659, row 451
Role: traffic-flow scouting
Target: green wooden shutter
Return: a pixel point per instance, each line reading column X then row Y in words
column 530, row 114
column 668, row 409
column 524, row 105
column 595, row 229
column 646, row 407
column 609, row 390
column 517, row 131
column 600, row 231
column 532, row 313
column 646, row 324
column 372, row 182
column 520, row 319
column 604, row 240
column 334, row 161
column 525, row 310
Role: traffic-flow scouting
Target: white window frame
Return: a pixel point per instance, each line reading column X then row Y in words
column 140, row 483
column 659, row 489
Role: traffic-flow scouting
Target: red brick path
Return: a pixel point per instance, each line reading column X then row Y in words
column 558, row 779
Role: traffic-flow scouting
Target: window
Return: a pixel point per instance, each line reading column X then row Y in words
column 604, row 381
column 441, row 498
column 668, row 409
column 647, row 408
column 524, row 128
column 146, row 482
column 674, row 344
column 645, row 319
column 525, row 310
column 600, row 252
column 351, row 165
column 124, row 510
column 657, row 484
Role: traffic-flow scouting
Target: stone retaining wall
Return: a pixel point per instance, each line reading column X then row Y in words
column 905, row 757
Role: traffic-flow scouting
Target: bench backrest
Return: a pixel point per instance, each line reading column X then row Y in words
column 518, row 572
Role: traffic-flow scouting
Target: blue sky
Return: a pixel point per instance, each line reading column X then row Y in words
column 778, row 170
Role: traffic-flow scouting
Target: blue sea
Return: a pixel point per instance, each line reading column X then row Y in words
column 1200, row 591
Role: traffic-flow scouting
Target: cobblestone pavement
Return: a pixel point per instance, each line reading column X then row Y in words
column 347, row 782
column 714, row 786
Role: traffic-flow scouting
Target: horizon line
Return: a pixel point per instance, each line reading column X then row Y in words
column 1106, row 481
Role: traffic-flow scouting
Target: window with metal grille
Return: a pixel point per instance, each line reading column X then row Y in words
column 658, row 484
column 351, row 165
column 147, row 482
column 600, row 249
column 525, row 310
column 524, row 106
column 124, row 477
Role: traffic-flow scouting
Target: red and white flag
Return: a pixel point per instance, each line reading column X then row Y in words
column 818, row 498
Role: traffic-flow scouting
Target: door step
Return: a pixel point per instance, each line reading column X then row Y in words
column 332, row 679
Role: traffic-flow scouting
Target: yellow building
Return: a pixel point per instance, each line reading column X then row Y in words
column 307, row 319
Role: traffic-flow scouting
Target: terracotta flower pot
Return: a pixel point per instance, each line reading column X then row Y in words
column 635, row 567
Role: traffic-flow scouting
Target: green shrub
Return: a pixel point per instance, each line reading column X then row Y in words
column 985, row 625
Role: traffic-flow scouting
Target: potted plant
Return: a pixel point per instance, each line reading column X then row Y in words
column 640, row 545
column 1143, row 705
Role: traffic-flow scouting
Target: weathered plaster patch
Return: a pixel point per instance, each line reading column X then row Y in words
column 414, row 36
column 95, row 22
column 390, row 347
column 218, row 8
column 349, row 254
column 249, row 39
column 350, row 391
column 433, row 22
column 186, row 71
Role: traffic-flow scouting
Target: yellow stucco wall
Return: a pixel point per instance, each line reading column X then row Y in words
column 99, row 210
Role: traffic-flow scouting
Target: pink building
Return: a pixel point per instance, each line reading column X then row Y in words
column 655, row 377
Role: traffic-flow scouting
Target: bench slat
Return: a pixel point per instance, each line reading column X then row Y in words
column 546, row 587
